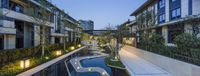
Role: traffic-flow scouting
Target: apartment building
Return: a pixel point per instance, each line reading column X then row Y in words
column 169, row 17
column 21, row 23
column 87, row 24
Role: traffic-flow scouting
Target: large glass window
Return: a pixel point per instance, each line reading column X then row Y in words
column 175, row 9
column 176, row 13
column 173, row 31
column 161, row 3
column 161, row 18
column 16, row 7
column 173, row 0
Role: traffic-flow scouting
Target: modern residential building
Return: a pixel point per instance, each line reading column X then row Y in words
column 132, row 27
column 169, row 18
column 87, row 24
column 21, row 28
column 128, row 32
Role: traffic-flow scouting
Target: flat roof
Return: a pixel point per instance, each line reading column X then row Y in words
column 143, row 6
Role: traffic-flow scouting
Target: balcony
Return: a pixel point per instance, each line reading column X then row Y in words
column 23, row 17
column 7, row 30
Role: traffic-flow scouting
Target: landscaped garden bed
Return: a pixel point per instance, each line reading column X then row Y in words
column 115, row 64
column 16, row 61
column 118, row 68
column 187, row 47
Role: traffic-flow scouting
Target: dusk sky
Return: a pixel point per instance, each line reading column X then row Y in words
column 102, row 12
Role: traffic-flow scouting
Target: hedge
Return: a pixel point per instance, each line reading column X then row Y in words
column 182, row 52
column 11, row 55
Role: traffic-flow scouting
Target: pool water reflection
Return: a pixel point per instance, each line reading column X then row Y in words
column 94, row 62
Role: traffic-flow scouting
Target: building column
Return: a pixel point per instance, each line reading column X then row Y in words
column 36, row 35
column 165, row 33
column 52, row 40
column 61, row 39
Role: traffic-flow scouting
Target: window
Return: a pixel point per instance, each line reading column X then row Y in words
column 176, row 13
column 162, row 18
column 57, row 40
column 16, row 7
column 52, row 18
column 173, row 31
column 173, row 0
column 161, row 3
column 159, row 30
column 19, row 8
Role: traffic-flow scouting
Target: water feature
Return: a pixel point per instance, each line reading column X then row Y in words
column 74, row 73
column 96, row 62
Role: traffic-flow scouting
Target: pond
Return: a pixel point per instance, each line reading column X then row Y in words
column 96, row 62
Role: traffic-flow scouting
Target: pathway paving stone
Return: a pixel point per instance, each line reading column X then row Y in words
column 138, row 66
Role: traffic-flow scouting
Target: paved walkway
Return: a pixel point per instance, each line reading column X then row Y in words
column 138, row 66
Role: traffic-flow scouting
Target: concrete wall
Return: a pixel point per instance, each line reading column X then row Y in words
column 167, row 10
column 175, row 67
column 196, row 7
column 9, row 41
column 184, row 8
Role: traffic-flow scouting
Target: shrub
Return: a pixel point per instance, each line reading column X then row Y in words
column 15, row 54
column 156, row 39
column 187, row 40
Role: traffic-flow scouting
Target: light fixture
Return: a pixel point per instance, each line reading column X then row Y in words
column 59, row 52
column 46, row 57
column 78, row 67
column 89, row 69
column 72, row 48
column 104, row 73
column 25, row 63
column 116, row 57
column 79, row 45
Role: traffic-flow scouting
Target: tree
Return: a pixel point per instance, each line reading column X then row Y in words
column 111, row 35
column 145, row 22
column 41, row 16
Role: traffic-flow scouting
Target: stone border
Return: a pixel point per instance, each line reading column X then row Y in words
column 78, row 67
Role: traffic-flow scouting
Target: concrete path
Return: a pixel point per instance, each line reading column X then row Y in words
column 138, row 66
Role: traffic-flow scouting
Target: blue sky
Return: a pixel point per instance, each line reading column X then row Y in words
column 102, row 12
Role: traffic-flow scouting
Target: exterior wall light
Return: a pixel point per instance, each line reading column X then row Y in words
column 25, row 63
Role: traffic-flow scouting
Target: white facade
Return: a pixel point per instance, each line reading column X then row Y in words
column 186, row 7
